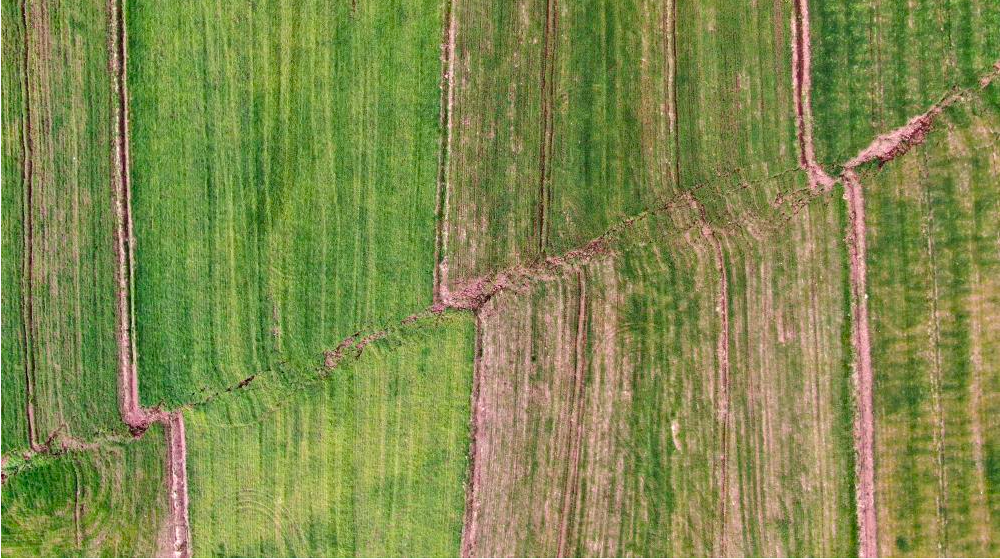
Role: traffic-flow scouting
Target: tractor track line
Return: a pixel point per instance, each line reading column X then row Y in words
column 802, row 90
column 864, row 426
column 132, row 414
column 179, row 523
column 470, row 526
column 547, row 103
column 576, row 426
column 444, row 145
column 722, row 355
column 936, row 376
column 27, row 263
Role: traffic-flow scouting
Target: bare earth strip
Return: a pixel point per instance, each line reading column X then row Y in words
column 802, row 87
column 576, row 425
column 135, row 417
column 722, row 356
column 864, row 427
column 444, row 155
column 128, row 388
column 470, row 525
column 178, row 542
column 27, row 266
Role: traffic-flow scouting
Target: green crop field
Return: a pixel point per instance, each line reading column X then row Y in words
column 636, row 438
column 98, row 502
column 59, row 350
column 503, row 278
column 935, row 218
column 370, row 461
column 284, row 173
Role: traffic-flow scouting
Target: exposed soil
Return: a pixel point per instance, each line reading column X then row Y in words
column 890, row 145
column 576, row 421
column 547, row 124
column 27, row 264
column 137, row 418
column 179, row 533
column 802, row 88
column 470, row 526
column 864, row 422
column 444, row 155
column 722, row 357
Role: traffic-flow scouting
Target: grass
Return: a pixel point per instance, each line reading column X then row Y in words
column 735, row 104
column 876, row 66
column 285, row 164
column 933, row 216
column 562, row 130
column 106, row 502
column 370, row 461
column 620, row 453
column 58, row 267
column 14, row 421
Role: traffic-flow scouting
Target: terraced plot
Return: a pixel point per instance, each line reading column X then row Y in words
column 370, row 461
column 110, row 500
column 284, row 172
column 934, row 216
column 59, row 349
column 653, row 403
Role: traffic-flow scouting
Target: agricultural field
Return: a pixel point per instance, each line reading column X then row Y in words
column 623, row 409
column 284, row 176
column 370, row 461
column 935, row 219
column 527, row 278
column 95, row 501
column 59, row 348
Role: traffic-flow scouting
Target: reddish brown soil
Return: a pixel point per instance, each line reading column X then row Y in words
column 864, row 426
column 890, row 145
column 802, row 88
column 470, row 527
column 178, row 540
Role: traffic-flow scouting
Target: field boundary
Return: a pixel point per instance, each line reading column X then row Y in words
column 27, row 264
column 137, row 418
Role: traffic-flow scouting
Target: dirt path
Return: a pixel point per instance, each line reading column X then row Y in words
column 470, row 527
column 548, row 76
column 137, row 418
column 939, row 435
column 444, row 155
column 178, row 540
column 802, row 90
column 128, row 391
column 722, row 357
column 576, row 425
column 864, row 423
column 27, row 264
